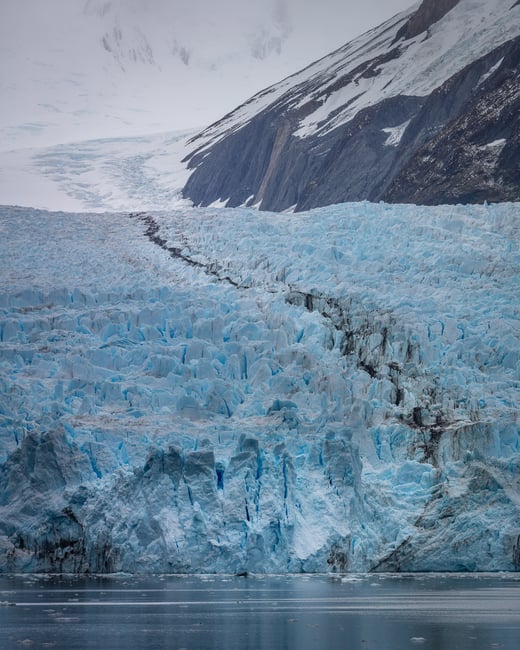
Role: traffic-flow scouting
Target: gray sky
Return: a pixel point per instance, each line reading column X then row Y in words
column 334, row 22
column 310, row 27
column 88, row 68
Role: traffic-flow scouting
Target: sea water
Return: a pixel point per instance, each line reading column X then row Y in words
column 351, row 612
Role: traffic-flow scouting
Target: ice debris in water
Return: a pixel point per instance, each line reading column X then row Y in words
column 234, row 391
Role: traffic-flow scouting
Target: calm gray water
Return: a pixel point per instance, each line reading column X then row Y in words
column 369, row 612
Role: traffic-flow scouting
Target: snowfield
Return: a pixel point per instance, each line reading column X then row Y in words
column 113, row 174
column 229, row 391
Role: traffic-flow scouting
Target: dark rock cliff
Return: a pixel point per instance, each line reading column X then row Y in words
column 427, row 14
column 460, row 143
column 475, row 154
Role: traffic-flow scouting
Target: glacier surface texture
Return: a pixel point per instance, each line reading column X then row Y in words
column 234, row 391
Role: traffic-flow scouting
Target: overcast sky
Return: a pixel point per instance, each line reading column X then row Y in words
column 335, row 22
column 318, row 25
column 68, row 66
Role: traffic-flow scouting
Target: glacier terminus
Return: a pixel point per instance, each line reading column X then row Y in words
column 232, row 391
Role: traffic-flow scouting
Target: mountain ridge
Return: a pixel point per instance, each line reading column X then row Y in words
column 345, row 128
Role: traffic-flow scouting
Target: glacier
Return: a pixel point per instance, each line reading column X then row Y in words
column 228, row 391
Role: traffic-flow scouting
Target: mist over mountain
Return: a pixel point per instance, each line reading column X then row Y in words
column 94, row 68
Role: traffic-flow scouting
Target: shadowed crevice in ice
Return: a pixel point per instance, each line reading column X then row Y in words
column 152, row 234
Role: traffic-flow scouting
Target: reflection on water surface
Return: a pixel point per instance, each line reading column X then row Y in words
column 378, row 612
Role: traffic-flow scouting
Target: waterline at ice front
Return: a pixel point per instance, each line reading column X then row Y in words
column 441, row 612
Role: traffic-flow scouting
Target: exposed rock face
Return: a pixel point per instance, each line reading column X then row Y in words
column 475, row 154
column 455, row 143
column 428, row 13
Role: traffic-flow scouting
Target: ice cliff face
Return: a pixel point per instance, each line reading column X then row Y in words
column 423, row 109
column 222, row 391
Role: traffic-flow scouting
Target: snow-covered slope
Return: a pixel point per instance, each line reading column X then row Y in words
column 355, row 124
column 240, row 391
column 139, row 173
